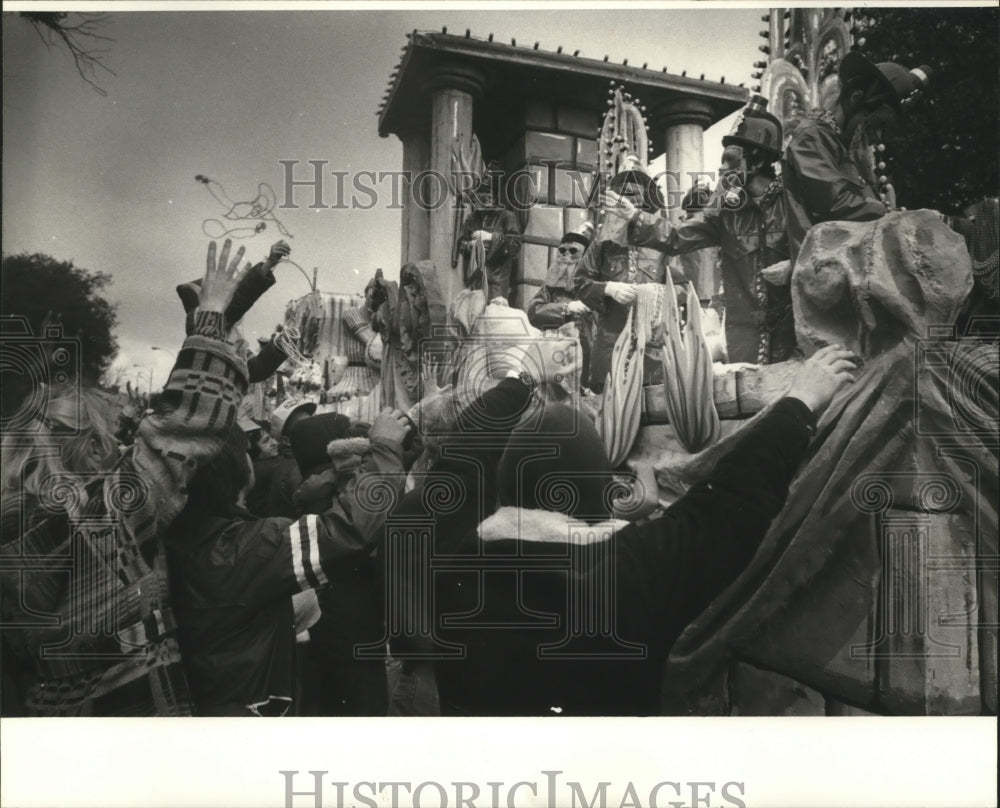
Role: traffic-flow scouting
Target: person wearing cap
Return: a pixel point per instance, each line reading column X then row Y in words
column 826, row 169
column 285, row 475
column 745, row 218
column 555, row 305
column 607, row 276
column 233, row 575
column 330, row 450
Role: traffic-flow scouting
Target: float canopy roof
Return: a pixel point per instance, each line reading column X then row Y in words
column 514, row 71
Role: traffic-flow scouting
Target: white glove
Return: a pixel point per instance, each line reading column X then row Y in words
column 618, row 205
column 620, row 292
column 779, row 274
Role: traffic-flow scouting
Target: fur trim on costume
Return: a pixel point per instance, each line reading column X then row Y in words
column 534, row 525
column 348, row 446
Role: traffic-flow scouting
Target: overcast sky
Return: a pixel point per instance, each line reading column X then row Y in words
column 109, row 181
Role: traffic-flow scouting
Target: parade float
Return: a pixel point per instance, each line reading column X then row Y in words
column 873, row 591
column 338, row 354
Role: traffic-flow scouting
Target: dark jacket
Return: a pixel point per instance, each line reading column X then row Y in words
column 547, row 310
column 759, row 325
column 263, row 475
column 504, row 583
column 231, row 587
column 501, row 251
column 263, row 364
column 823, row 183
column 346, row 649
column 607, row 261
column 285, row 478
column 118, row 577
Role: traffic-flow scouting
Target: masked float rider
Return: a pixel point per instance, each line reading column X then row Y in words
column 607, row 277
column 746, row 220
column 826, row 169
column 497, row 230
column 555, row 307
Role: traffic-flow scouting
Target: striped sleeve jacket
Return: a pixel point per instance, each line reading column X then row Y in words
column 91, row 594
column 231, row 582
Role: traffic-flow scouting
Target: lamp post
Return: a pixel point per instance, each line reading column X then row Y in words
column 158, row 348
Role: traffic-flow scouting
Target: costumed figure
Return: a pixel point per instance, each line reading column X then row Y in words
column 611, row 269
column 746, row 219
column 555, row 307
column 830, row 164
column 835, row 556
column 403, row 315
column 702, row 267
column 609, row 273
column 489, row 238
column 355, row 391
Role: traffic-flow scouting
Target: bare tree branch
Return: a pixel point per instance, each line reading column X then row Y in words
column 78, row 36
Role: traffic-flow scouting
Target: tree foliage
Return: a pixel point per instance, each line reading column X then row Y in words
column 79, row 34
column 44, row 290
column 945, row 155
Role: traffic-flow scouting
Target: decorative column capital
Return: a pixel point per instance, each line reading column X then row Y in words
column 455, row 76
column 682, row 111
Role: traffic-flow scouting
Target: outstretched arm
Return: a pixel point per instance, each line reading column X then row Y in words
column 684, row 559
column 470, row 456
column 200, row 401
column 284, row 557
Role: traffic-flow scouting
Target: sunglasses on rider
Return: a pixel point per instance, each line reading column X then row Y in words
column 569, row 251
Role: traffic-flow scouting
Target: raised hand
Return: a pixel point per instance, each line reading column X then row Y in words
column 137, row 403
column 279, row 250
column 822, row 375
column 430, row 372
column 217, row 288
column 316, row 492
column 390, row 425
column 618, row 205
column 221, row 278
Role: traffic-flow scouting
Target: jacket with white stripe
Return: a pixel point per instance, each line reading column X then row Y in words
column 231, row 582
